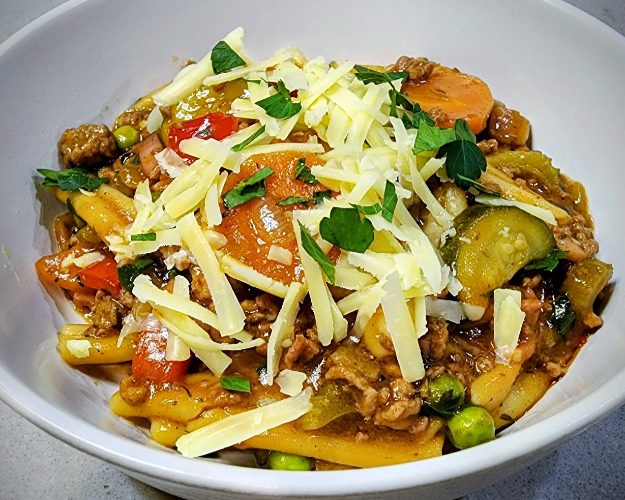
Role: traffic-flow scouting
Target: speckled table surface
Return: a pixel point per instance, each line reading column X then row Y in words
column 35, row 465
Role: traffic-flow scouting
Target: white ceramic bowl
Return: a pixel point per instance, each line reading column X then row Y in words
column 87, row 61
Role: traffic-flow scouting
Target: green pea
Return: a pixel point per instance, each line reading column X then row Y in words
column 445, row 388
column 472, row 425
column 284, row 461
column 126, row 137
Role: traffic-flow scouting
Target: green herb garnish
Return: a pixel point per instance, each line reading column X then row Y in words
column 549, row 263
column 249, row 140
column 431, row 137
column 257, row 82
column 390, row 201
column 136, row 159
column 319, row 196
column 465, row 160
column 248, row 189
column 291, row 200
column 303, row 173
column 129, row 272
column 235, row 384
column 366, row 75
column 280, row 104
column 347, row 230
column 72, row 179
column 563, row 317
column 312, row 248
column 224, row 58
column 368, row 209
column 143, row 237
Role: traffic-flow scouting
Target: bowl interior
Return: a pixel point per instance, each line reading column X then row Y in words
column 91, row 60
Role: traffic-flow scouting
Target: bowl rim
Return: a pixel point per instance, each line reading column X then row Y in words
column 167, row 466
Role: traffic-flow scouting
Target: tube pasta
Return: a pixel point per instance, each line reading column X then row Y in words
column 491, row 388
column 527, row 389
column 105, row 212
column 180, row 403
column 102, row 350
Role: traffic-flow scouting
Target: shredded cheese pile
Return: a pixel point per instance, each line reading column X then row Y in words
column 401, row 272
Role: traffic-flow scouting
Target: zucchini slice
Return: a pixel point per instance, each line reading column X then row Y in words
column 490, row 245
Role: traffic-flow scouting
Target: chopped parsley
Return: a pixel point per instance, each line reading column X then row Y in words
column 249, row 140
column 235, row 384
column 465, row 159
column 312, row 248
column 291, row 200
column 347, row 230
column 549, row 263
column 303, row 173
column 319, row 196
column 280, row 105
column 387, row 208
column 248, row 189
column 224, row 58
column 143, row 237
column 390, row 201
column 129, row 272
column 563, row 317
column 431, row 137
column 366, row 75
column 72, row 179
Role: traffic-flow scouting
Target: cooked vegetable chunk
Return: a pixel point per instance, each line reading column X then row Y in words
column 583, row 283
column 471, row 426
column 490, row 245
column 283, row 461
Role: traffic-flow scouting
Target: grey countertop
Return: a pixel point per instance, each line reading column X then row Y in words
column 35, row 465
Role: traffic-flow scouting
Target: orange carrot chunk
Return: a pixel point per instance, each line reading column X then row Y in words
column 449, row 95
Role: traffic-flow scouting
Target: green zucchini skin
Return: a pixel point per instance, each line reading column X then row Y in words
column 490, row 245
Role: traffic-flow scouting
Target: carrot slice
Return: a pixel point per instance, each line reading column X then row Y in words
column 251, row 228
column 449, row 95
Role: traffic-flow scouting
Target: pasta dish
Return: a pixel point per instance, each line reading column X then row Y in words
column 330, row 264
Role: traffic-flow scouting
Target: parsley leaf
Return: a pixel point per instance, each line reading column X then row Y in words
column 563, row 317
column 72, row 179
column 224, row 58
column 390, row 201
column 313, row 249
column 463, row 131
column 235, row 384
column 249, row 140
column 388, row 205
column 464, row 158
column 418, row 114
column 430, row 138
column 368, row 209
column 366, row 75
column 303, row 173
column 319, row 196
column 248, row 189
column 347, row 230
column 280, row 105
column 549, row 263
column 143, row 237
column 291, row 200
column 129, row 272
